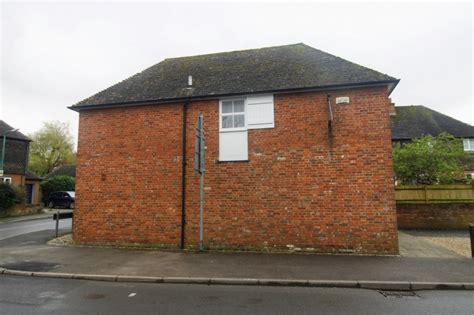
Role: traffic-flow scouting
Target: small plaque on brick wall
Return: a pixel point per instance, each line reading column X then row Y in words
column 342, row 100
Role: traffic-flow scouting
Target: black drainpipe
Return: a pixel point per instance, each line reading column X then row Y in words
column 183, row 179
column 330, row 121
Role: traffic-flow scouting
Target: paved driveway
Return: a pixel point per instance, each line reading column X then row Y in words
column 435, row 244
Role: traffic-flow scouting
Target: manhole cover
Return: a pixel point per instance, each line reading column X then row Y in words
column 31, row 266
column 399, row 294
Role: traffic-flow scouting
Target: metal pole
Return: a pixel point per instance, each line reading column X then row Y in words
column 201, row 213
column 471, row 233
column 3, row 150
column 57, row 223
column 201, row 192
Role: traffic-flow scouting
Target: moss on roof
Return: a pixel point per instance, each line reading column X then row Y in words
column 416, row 121
column 238, row 72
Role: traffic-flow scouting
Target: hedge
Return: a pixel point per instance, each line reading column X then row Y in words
column 57, row 183
column 9, row 196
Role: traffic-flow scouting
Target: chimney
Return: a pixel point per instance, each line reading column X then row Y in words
column 392, row 107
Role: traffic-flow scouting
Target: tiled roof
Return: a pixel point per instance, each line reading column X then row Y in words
column 13, row 135
column 66, row 169
column 281, row 68
column 31, row 176
column 416, row 121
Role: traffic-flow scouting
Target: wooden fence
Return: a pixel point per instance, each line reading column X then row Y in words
column 434, row 194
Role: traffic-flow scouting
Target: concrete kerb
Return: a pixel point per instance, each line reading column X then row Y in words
column 386, row 285
column 372, row 285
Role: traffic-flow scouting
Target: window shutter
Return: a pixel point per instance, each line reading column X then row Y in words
column 260, row 112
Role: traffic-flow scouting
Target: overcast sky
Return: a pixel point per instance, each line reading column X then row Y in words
column 54, row 55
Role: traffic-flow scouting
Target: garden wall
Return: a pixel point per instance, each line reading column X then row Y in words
column 435, row 207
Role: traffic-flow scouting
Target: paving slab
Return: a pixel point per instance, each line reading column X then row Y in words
column 32, row 248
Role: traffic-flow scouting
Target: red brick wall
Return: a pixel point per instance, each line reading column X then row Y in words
column 298, row 188
column 435, row 216
column 128, row 176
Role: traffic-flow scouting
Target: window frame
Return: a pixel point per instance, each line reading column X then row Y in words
column 6, row 180
column 470, row 144
column 221, row 114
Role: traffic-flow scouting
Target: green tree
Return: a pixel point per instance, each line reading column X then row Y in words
column 52, row 145
column 429, row 160
column 57, row 183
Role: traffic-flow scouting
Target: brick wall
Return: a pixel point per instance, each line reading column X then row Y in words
column 300, row 186
column 435, row 216
column 128, row 176
column 16, row 155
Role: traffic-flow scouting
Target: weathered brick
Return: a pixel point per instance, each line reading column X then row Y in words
column 435, row 216
column 300, row 187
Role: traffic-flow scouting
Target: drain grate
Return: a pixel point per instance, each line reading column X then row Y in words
column 31, row 266
column 399, row 294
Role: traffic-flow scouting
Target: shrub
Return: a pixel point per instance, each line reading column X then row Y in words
column 9, row 196
column 430, row 160
column 57, row 183
column 20, row 194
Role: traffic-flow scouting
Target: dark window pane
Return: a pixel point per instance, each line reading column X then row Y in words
column 239, row 106
column 226, row 107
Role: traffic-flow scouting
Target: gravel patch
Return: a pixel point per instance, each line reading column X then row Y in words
column 65, row 240
column 456, row 241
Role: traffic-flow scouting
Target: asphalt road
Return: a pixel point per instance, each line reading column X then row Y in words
column 25, row 295
column 11, row 229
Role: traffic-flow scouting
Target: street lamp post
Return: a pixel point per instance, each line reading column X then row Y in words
column 3, row 149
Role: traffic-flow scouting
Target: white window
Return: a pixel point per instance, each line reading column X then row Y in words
column 468, row 144
column 232, row 115
column 6, row 180
column 238, row 115
column 233, row 136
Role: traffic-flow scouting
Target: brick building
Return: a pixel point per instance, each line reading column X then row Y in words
column 15, row 168
column 298, row 152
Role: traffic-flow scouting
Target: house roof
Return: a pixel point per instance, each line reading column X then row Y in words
column 416, row 121
column 280, row 68
column 11, row 135
column 66, row 169
column 31, row 176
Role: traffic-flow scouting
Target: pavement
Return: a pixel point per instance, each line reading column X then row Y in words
column 30, row 255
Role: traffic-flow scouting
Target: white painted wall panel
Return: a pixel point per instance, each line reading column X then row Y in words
column 260, row 112
column 233, row 146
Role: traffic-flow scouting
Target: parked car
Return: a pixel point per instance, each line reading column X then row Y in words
column 62, row 199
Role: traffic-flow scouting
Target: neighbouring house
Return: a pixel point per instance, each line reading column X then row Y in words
column 15, row 168
column 410, row 122
column 63, row 170
column 298, row 154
